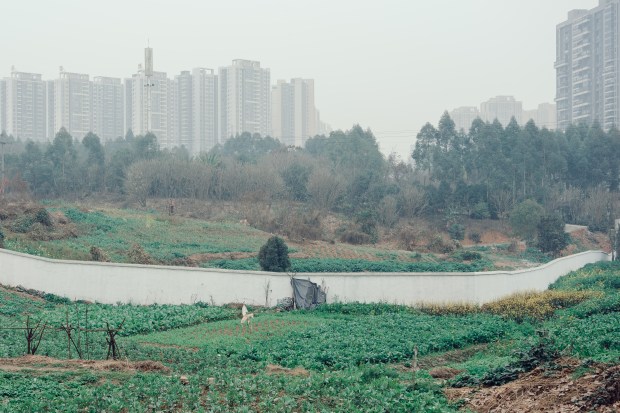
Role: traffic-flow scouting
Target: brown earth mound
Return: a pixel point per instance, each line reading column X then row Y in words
column 297, row 371
column 444, row 372
column 559, row 390
column 22, row 292
column 582, row 240
column 43, row 363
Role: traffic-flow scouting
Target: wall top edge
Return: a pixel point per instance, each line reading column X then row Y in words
column 300, row 275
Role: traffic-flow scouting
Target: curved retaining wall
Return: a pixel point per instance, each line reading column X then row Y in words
column 141, row 284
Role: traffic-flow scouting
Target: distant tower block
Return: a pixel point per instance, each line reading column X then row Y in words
column 148, row 62
column 148, row 75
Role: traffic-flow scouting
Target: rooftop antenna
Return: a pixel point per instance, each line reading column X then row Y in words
column 148, row 84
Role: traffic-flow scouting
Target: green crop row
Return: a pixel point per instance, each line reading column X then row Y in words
column 356, row 265
column 137, row 319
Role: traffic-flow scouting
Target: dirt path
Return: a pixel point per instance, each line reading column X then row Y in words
column 48, row 364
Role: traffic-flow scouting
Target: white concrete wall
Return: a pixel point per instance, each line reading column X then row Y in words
column 141, row 284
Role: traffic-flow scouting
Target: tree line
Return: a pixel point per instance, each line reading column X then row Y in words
column 481, row 173
column 490, row 169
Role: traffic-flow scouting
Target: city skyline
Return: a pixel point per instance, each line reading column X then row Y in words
column 390, row 66
column 196, row 110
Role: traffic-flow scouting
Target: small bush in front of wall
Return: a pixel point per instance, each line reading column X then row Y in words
column 273, row 256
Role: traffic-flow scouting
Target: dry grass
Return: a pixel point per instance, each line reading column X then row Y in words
column 448, row 308
column 536, row 305
column 520, row 306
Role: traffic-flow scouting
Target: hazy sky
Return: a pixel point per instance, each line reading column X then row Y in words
column 389, row 65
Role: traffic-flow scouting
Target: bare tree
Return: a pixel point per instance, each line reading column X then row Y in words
column 138, row 182
column 325, row 188
column 503, row 201
column 412, row 201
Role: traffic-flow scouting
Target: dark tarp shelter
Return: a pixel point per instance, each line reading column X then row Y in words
column 307, row 295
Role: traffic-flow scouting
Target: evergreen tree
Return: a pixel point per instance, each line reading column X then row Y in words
column 551, row 235
column 273, row 256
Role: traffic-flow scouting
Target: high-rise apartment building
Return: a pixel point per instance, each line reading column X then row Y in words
column 322, row 128
column 293, row 112
column 73, row 105
column 128, row 105
column 464, row 116
column 155, row 115
column 587, row 66
column 204, row 110
column 183, row 91
column 544, row 116
column 25, row 106
column 108, row 113
column 2, row 106
column 50, row 111
column 283, row 112
column 245, row 99
column 502, row 108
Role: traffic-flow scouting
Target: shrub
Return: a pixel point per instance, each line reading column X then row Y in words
column 97, row 254
column 475, row 237
column 301, row 225
column 525, row 217
column 352, row 236
column 40, row 232
column 513, row 246
column 367, row 222
column 457, row 232
column 439, row 245
column 480, row 211
column 43, row 217
column 137, row 255
column 467, row 255
column 22, row 224
column 273, row 256
column 551, row 235
column 1, row 238
column 408, row 238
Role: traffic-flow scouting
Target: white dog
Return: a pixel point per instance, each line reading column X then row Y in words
column 246, row 317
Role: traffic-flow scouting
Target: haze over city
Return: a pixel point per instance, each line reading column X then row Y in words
column 390, row 66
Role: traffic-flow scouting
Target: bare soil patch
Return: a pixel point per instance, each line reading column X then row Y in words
column 587, row 240
column 454, row 356
column 43, row 363
column 444, row 373
column 297, row 371
column 543, row 390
